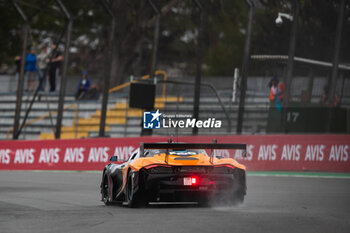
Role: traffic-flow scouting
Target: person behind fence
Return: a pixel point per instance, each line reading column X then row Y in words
column 42, row 63
column 18, row 69
column 31, row 69
column 277, row 89
column 84, row 86
column 55, row 66
column 325, row 98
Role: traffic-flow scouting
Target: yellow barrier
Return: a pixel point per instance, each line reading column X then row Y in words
column 64, row 135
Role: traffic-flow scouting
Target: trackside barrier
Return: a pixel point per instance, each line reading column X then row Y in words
column 264, row 152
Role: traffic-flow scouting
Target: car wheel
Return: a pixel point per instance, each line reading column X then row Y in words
column 134, row 200
column 238, row 197
column 238, row 194
column 106, row 192
column 130, row 199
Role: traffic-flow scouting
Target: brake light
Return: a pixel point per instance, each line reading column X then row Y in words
column 193, row 180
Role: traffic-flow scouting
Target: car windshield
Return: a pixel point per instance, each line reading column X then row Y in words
column 177, row 152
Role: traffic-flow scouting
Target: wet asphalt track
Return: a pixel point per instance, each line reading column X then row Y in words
column 69, row 202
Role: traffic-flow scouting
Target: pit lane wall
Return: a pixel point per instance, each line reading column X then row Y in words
column 264, row 152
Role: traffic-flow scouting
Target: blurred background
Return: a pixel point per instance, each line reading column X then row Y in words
column 260, row 66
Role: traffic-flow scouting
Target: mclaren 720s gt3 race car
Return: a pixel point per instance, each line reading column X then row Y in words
column 175, row 172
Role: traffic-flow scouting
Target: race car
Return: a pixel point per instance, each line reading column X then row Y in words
column 175, row 172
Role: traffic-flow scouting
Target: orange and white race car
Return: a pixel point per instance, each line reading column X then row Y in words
column 186, row 172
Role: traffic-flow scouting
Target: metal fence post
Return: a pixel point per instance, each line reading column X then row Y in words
column 243, row 83
column 197, row 85
column 21, row 74
column 155, row 39
column 108, row 77
column 290, row 64
column 333, row 83
column 65, row 67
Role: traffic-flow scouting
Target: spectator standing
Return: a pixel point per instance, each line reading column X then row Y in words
column 42, row 63
column 55, row 66
column 84, row 86
column 276, row 93
column 31, row 69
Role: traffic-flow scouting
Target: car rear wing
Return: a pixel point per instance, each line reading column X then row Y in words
column 180, row 145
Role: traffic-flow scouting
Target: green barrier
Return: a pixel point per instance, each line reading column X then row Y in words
column 308, row 118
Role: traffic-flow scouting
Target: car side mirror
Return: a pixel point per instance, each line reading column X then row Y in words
column 114, row 159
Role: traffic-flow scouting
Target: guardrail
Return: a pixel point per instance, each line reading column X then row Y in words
column 158, row 72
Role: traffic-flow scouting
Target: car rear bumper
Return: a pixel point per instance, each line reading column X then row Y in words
column 171, row 187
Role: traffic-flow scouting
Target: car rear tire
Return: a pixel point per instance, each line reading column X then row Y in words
column 238, row 197
column 240, row 190
column 133, row 199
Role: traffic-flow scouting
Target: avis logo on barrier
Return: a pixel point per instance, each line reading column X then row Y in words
column 151, row 120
